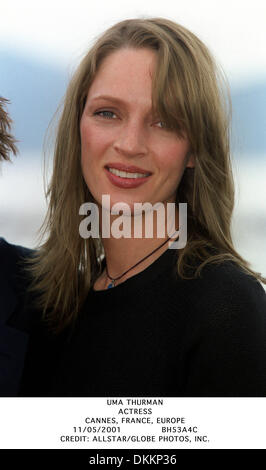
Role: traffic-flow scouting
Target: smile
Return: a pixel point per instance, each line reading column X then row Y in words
column 126, row 179
column 126, row 174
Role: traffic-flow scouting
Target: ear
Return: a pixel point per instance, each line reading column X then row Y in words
column 190, row 161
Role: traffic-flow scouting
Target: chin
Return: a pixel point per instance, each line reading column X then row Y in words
column 117, row 207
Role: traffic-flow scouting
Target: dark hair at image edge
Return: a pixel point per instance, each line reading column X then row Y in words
column 7, row 141
column 191, row 95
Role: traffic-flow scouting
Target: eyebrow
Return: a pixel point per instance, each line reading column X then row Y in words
column 113, row 99
column 107, row 97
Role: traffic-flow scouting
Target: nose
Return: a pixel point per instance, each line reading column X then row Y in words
column 131, row 140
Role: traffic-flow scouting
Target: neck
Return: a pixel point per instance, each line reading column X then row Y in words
column 123, row 253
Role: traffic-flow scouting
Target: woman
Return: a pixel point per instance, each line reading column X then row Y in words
column 144, row 121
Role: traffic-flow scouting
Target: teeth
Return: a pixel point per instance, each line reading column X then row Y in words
column 125, row 174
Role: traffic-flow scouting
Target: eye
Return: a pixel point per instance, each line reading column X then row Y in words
column 163, row 124
column 105, row 113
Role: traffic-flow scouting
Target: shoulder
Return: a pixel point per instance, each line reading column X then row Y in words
column 14, row 320
column 13, row 279
column 10, row 253
column 229, row 283
column 227, row 298
column 224, row 280
column 226, row 333
column 11, row 258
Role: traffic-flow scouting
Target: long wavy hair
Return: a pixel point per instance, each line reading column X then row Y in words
column 191, row 94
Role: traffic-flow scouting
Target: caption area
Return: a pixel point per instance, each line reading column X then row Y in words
column 135, row 420
column 190, row 423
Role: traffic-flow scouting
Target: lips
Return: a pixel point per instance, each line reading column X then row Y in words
column 128, row 168
column 123, row 180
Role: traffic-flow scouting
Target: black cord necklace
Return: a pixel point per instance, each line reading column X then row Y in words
column 114, row 279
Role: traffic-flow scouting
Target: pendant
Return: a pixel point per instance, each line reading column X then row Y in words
column 112, row 284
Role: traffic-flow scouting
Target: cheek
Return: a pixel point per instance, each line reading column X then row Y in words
column 86, row 161
column 83, row 138
column 174, row 161
column 85, row 135
column 93, row 142
column 87, row 145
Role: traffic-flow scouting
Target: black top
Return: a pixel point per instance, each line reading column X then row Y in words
column 15, row 318
column 158, row 335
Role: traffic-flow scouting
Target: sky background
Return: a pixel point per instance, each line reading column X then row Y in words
column 60, row 32
column 42, row 42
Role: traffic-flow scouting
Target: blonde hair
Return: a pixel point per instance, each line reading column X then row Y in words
column 190, row 94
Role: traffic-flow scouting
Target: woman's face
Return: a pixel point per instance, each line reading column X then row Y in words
column 119, row 133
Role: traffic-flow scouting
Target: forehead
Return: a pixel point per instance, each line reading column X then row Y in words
column 125, row 74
